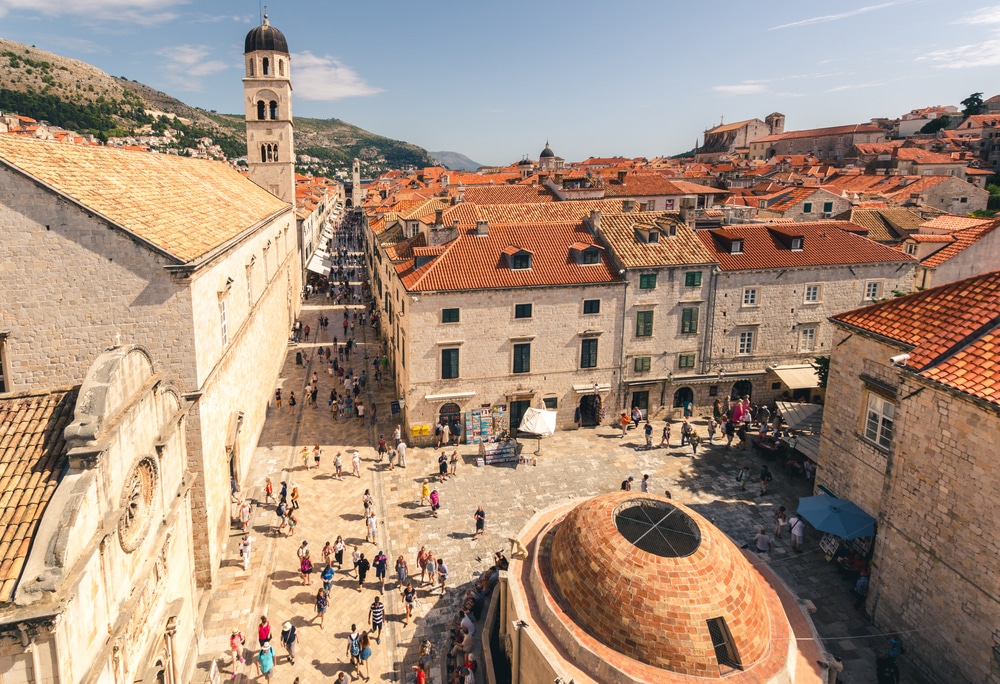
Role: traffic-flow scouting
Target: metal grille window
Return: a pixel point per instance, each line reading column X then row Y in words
column 641, row 364
column 658, row 528
column 689, row 321
column 449, row 364
column 725, row 647
column 644, row 324
column 591, row 306
column 522, row 358
column 588, row 354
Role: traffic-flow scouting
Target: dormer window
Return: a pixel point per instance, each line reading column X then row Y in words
column 519, row 260
column 654, row 237
column 591, row 256
column 796, row 244
column 736, row 246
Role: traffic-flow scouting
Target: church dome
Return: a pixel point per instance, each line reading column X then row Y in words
column 547, row 152
column 265, row 37
column 656, row 582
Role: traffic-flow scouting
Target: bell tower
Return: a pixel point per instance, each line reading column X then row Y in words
column 267, row 95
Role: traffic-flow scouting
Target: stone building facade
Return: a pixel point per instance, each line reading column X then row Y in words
column 105, row 588
column 775, row 289
column 826, row 143
column 200, row 266
column 908, row 432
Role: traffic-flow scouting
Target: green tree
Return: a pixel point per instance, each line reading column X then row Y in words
column 973, row 104
column 822, row 364
column 935, row 125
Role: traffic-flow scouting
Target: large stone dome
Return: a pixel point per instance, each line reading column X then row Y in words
column 547, row 152
column 657, row 583
column 265, row 37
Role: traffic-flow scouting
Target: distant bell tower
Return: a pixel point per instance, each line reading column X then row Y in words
column 267, row 92
column 357, row 192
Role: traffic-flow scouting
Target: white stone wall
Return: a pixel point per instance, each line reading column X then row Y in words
column 948, row 195
column 487, row 332
column 781, row 313
column 981, row 257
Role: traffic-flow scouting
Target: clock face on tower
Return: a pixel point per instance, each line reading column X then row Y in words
column 137, row 504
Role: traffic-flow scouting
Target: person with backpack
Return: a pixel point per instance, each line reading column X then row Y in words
column 743, row 477
column 354, row 647
column 236, row 642
column 765, row 477
column 289, row 638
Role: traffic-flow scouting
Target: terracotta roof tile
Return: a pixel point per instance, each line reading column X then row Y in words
column 556, row 212
column 185, row 207
column 619, row 231
column 32, row 458
column 952, row 332
column 818, row 132
column 824, row 243
column 507, row 194
column 963, row 239
column 952, row 222
column 474, row 262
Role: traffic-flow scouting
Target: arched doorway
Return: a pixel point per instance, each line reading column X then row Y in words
column 741, row 388
column 683, row 396
column 590, row 410
column 451, row 414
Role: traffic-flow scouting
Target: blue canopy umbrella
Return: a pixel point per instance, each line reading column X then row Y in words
column 836, row 516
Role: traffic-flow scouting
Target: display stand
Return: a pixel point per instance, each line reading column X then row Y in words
column 493, row 453
column 485, row 424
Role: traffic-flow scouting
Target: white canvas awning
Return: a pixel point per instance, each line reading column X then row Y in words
column 798, row 377
column 538, row 422
column 590, row 389
column 801, row 417
column 319, row 263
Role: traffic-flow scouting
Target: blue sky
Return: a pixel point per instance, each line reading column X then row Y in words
column 496, row 80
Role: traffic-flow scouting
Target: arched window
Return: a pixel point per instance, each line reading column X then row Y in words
column 683, row 396
column 267, row 67
column 274, row 152
column 274, row 109
column 281, row 67
column 263, row 153
column 260, row 110
column 250, row 67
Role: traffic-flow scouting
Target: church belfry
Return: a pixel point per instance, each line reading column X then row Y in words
column 267, row 92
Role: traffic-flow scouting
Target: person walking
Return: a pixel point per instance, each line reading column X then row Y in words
column 366, row 653
column 401, row 453
column 480, row 517
column 322, row 603
column 694, row 440
column 338, row 552
column 644, row 484
column 376, row 615
column 665, row 437
column 362, row 567
column 442, row 571
column 623, row 421
column 317, row 452
column 453, row 464
column 354, row 647
column 779, row 521
column 380, row 563
column 409, row 597
column 422, row 564
column 338, row 466
column 356, row 464
column 269, row 491
column 431, row 569
column 246, row 510
column 765, row 477
column 282, row 512
column 291, row 401
column 306, row 568
column 797, row 528
column 685, row 432
column 263, row 631
column 402, row 571
column 425, row 493
column 236, row 642
column 327, row 576
column 397, row 434
column 371, row 528
column 292, row 520
column 245, row 545
column 265, row 661
column 627, row 484
column 743, row 477
column 648, row 429
column 289, row 638
column 435, row 502
column 295, row 497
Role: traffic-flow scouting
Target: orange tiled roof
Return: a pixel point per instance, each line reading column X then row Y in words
column 932, row 237
column 951, row 222
column 884, row 224
column 825, row 243
column 185, row 207
column 952, row 332
column 556, row 212
column 476, row 262
column 32, row 458
column 819, row 132
column 507, row 194
column 963, row 239
column 618, row 230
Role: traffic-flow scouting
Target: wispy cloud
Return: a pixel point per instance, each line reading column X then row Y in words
column 142, row 12
column 986, row 15
column 741, row 89
column 983, row 54
column 857, row 86
column 186, row 65
column 835, row 17
column 326, row 78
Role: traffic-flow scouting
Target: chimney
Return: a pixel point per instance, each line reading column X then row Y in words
column 437, row 216
column 461, row 194
column 558, row 178
column 628, row 205
column 482, row 227
column 595, row 221
column 542, row 177
column 686, row 205
column 621, row 176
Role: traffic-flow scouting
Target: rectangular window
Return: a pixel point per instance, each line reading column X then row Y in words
column 689, row 321
column 591, row 256
column 692, row 279
column 878, row 424
column 807, row 340
column 873, row 290
column 644, row 324
column 685, row 361
column 736, row 247
column 651, row 205
column 647, row 281
column 520, row 261
column 250, row 286
column 591, row 306
column 746, row 343
column 911, row 249
column 522, row 311
column 522, row 358
column 551, row 403
column 827, row 207
column 807, row 208
column 726, row 654
column 449, row 364
column 3, row 355
column 449, row 315
column 812, row 294
column 222, row 321
column 641, row 364
column 750, row 296
column 588, row 354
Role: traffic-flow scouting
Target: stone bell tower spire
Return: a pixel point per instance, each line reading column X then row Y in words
column 267, row 95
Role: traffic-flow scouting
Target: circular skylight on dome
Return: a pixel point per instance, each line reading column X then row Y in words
column 657, row 527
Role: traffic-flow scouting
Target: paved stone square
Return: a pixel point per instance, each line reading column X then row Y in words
column 572, row 464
